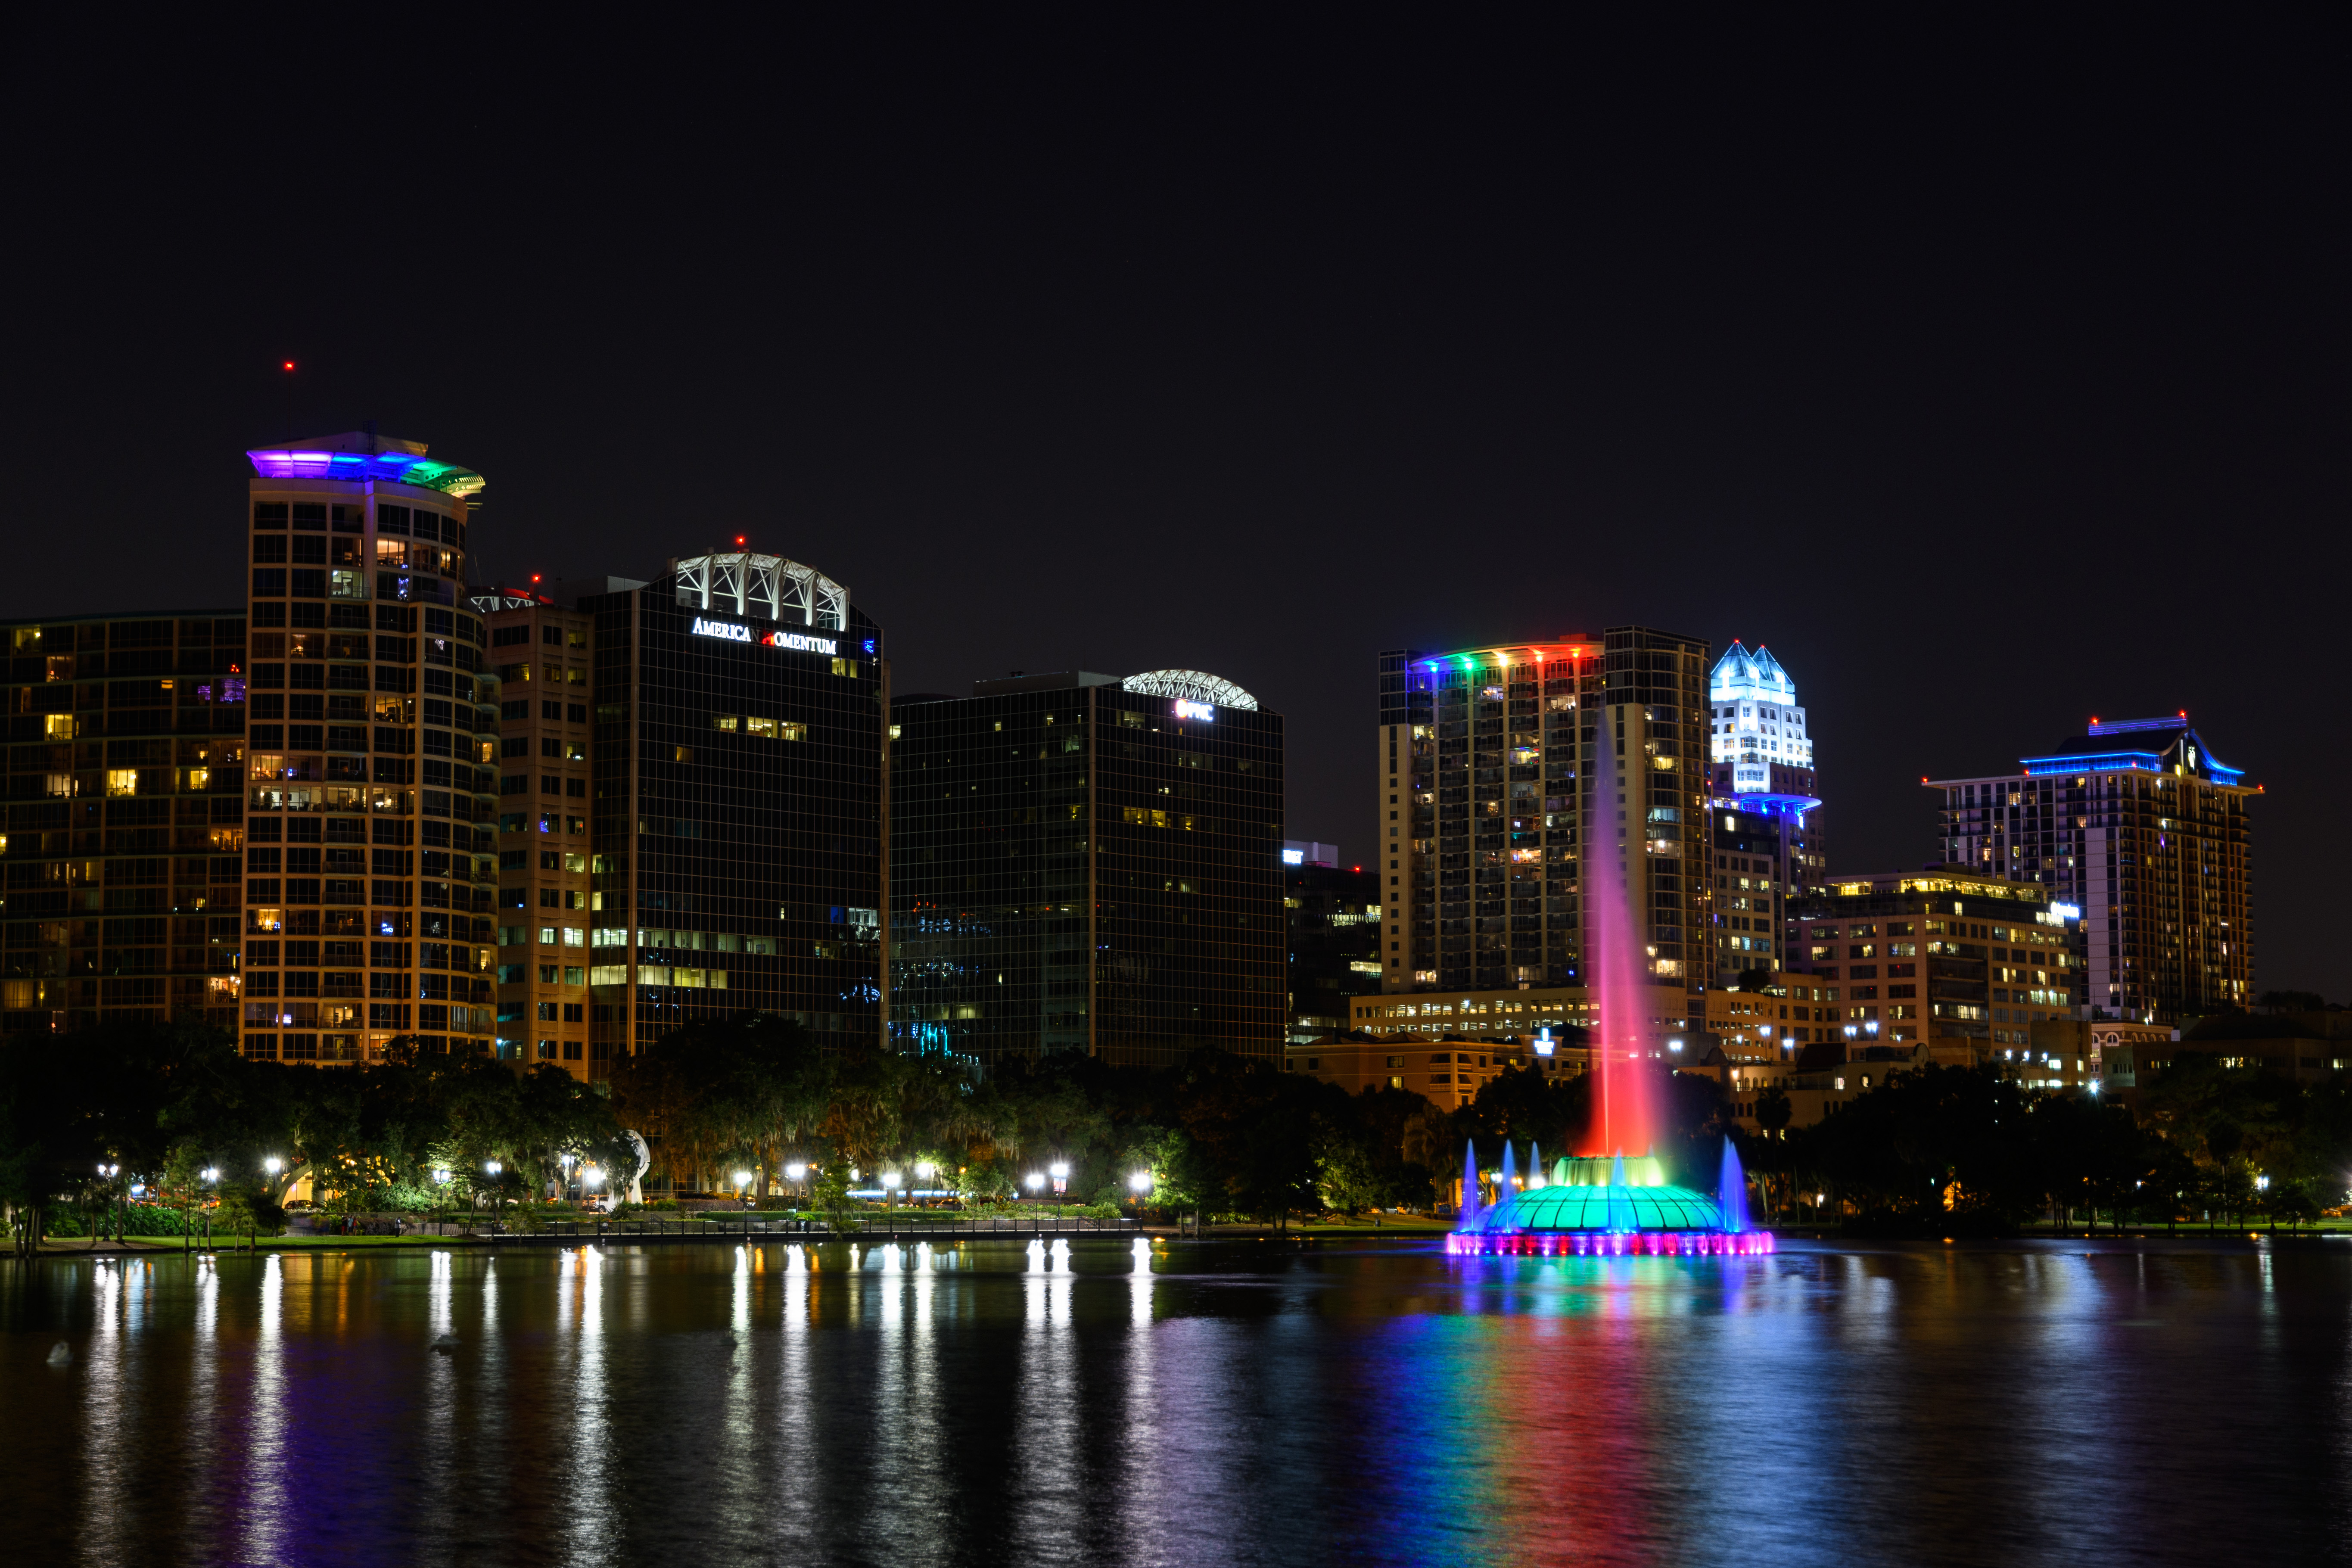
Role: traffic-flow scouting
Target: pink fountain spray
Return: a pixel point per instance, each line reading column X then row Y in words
column 1623, row 1116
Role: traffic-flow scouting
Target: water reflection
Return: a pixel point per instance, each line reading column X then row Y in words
column 1047, row 1401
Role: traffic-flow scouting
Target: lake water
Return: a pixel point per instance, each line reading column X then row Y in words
column 1251, row 1402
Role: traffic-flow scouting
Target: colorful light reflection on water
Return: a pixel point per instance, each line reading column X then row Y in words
column 1235, row 1403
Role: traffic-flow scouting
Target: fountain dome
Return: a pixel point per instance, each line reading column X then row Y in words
column 1589, row 1208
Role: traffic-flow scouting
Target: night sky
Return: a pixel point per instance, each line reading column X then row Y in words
column 1993, row 377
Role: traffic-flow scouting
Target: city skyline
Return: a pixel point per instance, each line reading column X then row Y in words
column 1976, row 478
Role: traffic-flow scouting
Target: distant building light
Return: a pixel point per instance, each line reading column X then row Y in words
column 1294, row 857
column 1186, row 708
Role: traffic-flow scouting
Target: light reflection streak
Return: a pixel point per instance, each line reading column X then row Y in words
column 590, row 1522
column 792, row 1510
column 104, row 1435
column 263, row 1510
column 1044, row 1521
column 440, row 1378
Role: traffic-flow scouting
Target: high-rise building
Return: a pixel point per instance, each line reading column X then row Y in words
column 1496, row 771
column 1333, row 916
column 734, row 788
column 542, row 652
column 1766, row 828
column 1757, row 742
column 1086, row 863
column 125, row 841
column 373, row 730
column 2138, row 826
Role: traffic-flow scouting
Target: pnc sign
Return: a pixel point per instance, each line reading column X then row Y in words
column 733, row 631
column 1188, row 709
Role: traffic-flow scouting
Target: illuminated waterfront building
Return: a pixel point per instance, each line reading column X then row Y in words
column 372, row 724
column 1085, row 863
column 124, row 843
column 1960, row 965
column 735, row 793
column 1765, row 830
column 540, row 650
column 1332, row 916
column 1498, row 768
column 2138, row 826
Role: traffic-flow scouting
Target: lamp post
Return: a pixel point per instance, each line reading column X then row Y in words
column 890, row 1188
column 1061, row 1178
column 743, row 1188
column 797, row 1173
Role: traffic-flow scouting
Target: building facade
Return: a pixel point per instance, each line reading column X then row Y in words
column 371, row 729
column 1498, row 769
column 2139, row 827
column 124, row 846
column 735, row 795
column 1757, row 741
column 1332, row 918
column 1960, row 965
column 542, row 652
column 1765, row 826
column 1086, row 863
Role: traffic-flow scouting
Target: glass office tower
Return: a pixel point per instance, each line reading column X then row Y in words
column 1491, row 779
column 125, row 841
column 1086, row 863
column 737, row 794
column 369, row 864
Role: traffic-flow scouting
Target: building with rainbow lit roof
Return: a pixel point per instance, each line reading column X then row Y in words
column 1505, row 772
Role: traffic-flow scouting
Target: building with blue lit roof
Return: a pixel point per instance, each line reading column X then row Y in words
column 2138, row 825
column 1764, row 829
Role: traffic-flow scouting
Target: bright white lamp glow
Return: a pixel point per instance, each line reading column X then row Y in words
column 212, row 1173
column 273, row 1164
column 926, row 1169
column 890, row 1179
column 591, row 1177
column 1035, row 1181
column 742, row 1178
column 492, row 1166
column 1141, row 1181
column 795, row 1171
column 1061, row 1170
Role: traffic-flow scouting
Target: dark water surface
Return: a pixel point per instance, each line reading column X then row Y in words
column 1104, row 1403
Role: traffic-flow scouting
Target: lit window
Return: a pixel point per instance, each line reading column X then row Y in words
column 122, row 781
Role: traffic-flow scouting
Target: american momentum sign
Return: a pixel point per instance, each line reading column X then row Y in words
column 730, row 631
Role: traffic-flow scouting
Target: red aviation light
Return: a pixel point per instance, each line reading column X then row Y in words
column 288, row 365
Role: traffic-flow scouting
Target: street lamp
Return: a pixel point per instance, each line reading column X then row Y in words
column 742, row 1187
column 210, row 1174
column 1035, row 1182
column 273, row 1164
column 889, row 1186
column 1139, row 1183
column 1061, row 1178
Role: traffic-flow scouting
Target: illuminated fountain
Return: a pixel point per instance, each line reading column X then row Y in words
column 1602, row 1203
column 1589, row 1206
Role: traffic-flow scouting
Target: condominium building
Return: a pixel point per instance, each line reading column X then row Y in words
column 735, row 792
column 542, row 653
column 1087, row 863
column 2138, row 826
column 372, row 732
column 1501, row 769
column 125, row 841
column 1962, row 965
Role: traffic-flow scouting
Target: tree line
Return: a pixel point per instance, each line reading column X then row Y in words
column 175, row 1110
